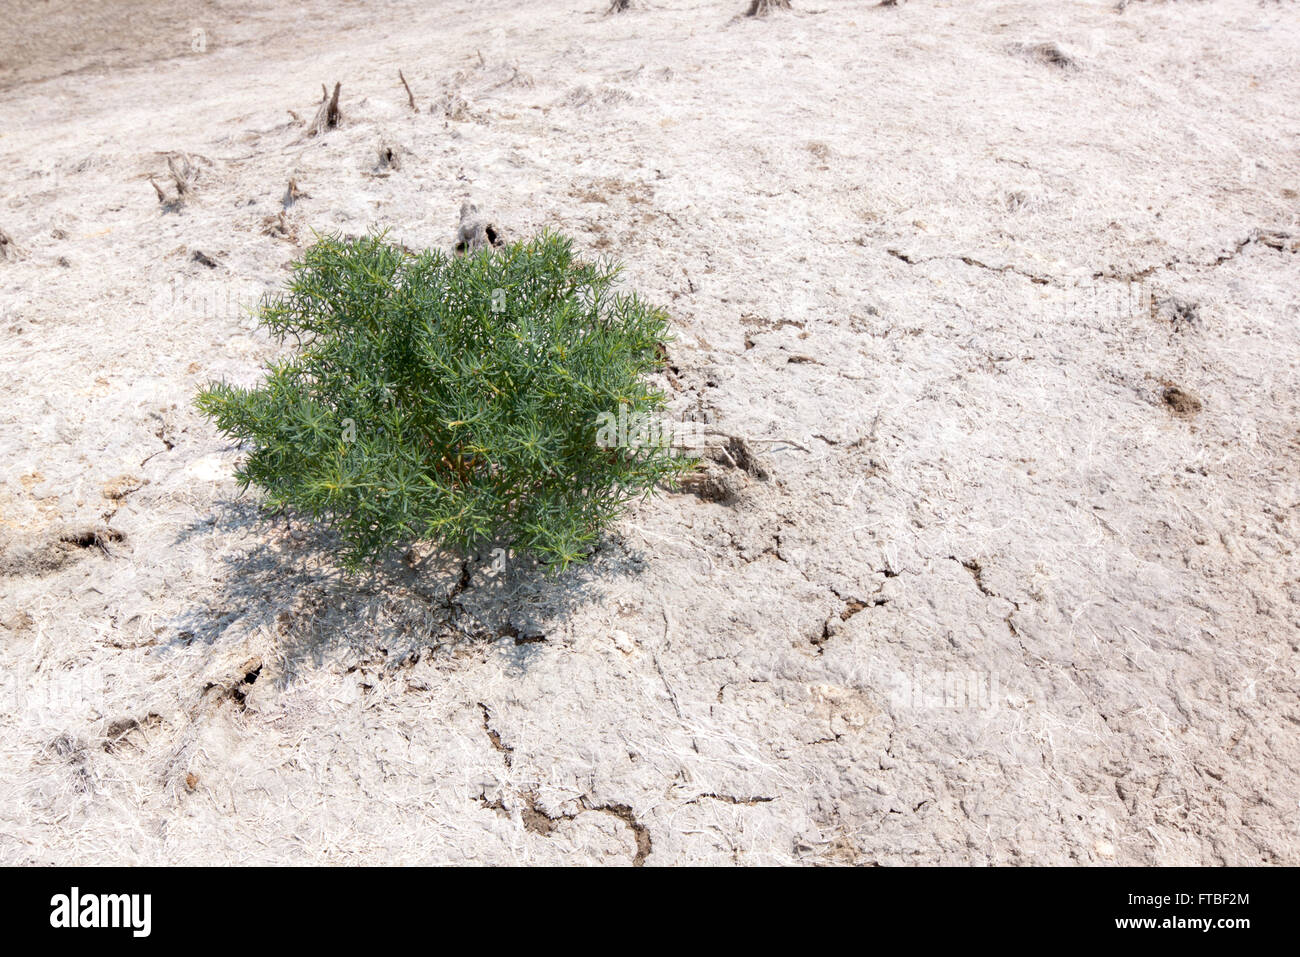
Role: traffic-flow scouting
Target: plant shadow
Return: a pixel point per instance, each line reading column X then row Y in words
column 288, row 584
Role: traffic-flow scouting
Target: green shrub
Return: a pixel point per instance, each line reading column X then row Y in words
column 455, row 400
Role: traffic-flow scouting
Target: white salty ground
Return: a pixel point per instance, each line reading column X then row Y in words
column 940, row 265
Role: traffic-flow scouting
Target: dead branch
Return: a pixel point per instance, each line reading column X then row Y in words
column 409, row 95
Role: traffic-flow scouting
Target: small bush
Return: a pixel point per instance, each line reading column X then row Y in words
column 448, row 399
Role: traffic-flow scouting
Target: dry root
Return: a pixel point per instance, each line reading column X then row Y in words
column 327, row 114
column 184, row 173
column 280, row 227
column 475, row 232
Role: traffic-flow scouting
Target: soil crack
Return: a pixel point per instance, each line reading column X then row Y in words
column 504, row 749
column 625, row 814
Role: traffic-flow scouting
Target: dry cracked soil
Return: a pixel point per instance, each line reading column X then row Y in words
column 991, row 306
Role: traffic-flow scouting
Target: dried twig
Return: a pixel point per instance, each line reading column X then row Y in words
column 182, row 171
column 409, row 95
